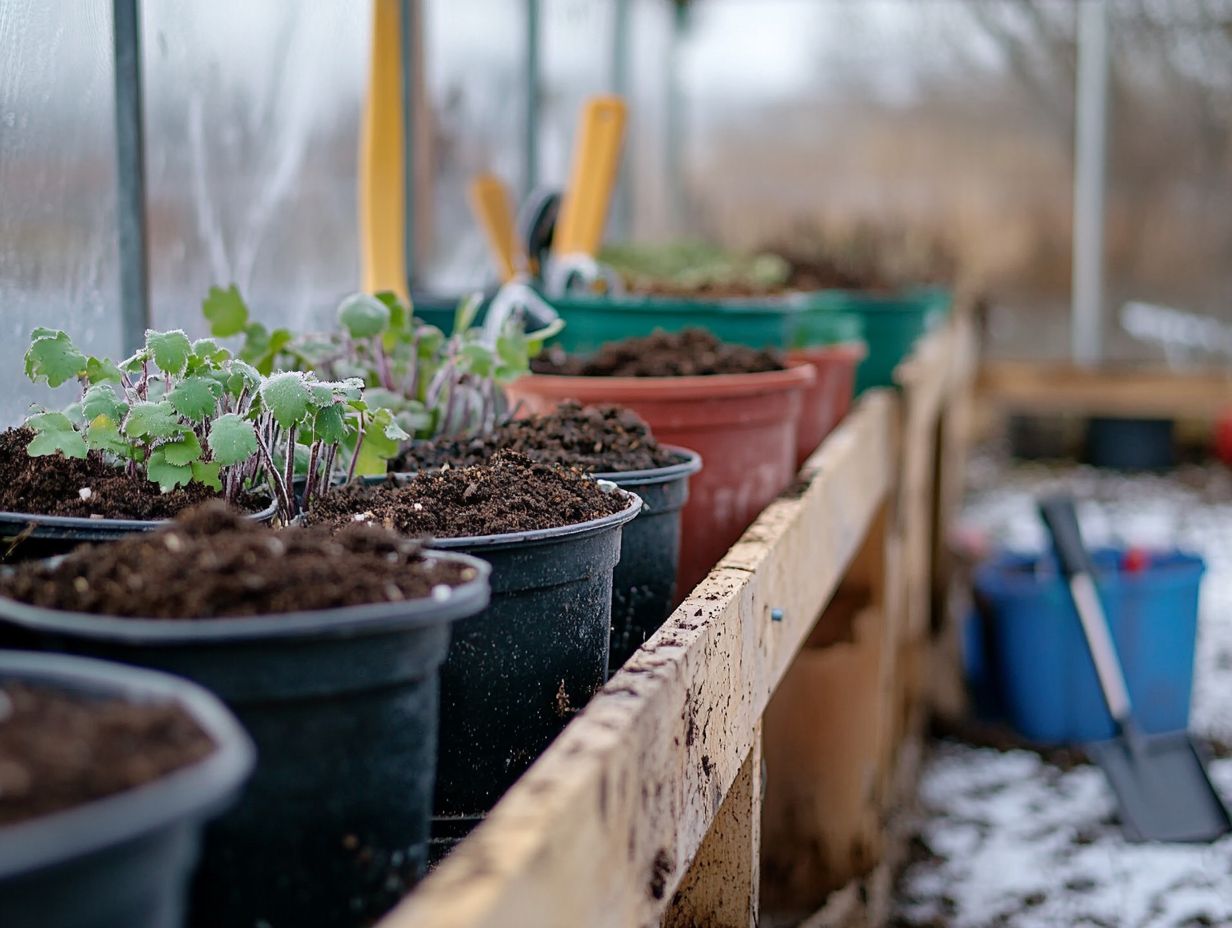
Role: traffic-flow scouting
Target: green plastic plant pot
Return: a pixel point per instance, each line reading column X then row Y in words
column 591, row 321
column 891, row 324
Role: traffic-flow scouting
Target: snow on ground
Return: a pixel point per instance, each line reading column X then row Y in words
column 1007, row 839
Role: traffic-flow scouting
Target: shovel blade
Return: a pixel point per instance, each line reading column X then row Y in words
column 1162, row 788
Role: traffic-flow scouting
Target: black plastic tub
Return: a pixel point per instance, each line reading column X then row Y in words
column 343, row 707
column 123, row 861
column 644, row 584
column 1131, row 444
column 28, row 536
column 516, row 674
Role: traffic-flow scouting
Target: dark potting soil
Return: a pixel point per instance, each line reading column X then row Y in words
column 211, row 562
column 596, row 439
column 690, row 352
column 52, row 485
column 59, row 750
column 511, row 493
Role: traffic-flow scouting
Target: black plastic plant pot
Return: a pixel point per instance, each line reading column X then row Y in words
column 28, row 536
column 516, row 674
column 644, row 584
column 343, row 707
column 123, row 861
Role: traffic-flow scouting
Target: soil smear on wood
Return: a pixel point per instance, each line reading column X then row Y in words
column 59, row 750
column 509, row 494
column 687, row 353
column 212, row 562
column 595, row 439
column 54, row 485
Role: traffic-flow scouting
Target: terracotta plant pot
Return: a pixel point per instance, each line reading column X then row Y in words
column 829, row 398
column 743, row 426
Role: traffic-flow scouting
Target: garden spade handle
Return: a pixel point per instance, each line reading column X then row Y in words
column 1062, row 521
column 490, row 202
column 596, row 160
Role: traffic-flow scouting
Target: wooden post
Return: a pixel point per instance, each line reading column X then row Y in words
column 722, row 886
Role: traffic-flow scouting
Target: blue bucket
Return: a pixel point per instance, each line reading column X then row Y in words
column 1026, row 652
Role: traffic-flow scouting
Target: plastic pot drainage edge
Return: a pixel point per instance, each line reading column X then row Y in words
column 128, row 857
column 343, row 707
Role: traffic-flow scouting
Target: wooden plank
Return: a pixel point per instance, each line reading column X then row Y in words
column 1051, row 388
column 824, row 750
column 602, row 828
column 722, row 888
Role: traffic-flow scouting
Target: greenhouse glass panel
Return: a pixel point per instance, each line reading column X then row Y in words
column 252, row 141
column 58, row 262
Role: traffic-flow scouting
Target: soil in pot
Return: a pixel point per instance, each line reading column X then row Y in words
column 603, row 439
column 59, row 750
column 107, row 776
column 517, row 673
column 509, row 494
column 326, row 644
column 742, row 422
column 79, row 489
column 687, row 353
column 89, row 488
column 616, row 444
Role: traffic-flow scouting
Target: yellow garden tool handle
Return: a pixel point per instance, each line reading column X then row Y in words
column 596, row 160
column 382, row 220
column 490, row 202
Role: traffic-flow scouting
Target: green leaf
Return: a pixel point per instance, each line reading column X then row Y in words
column 184, row 450
column 53, row 431
column 232, row 439
column 207, row 472
column 226, row 311
column 102, row 370
column 100, row 400
column 103, row 434
column 478, row 360
column 364, row 316
column 170, row 350
column 207, row 353
column 466, row 312
column 287, row 396
column 325, row 392
column 53, row 357
column 330, row 425
column 132, row 364
column 167, row 474
column 262, row 348
column 152, row 420
column 241, row 376
column 195, row 397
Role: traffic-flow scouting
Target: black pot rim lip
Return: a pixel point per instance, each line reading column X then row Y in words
column 193, row 792
column 691, row 464
column 550, row 535
column 342, row 622
column 128, row 525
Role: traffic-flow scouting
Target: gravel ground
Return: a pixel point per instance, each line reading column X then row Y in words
column 1009, row 839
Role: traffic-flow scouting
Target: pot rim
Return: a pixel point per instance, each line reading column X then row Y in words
column 856, row 350
column 785, row 303
column 128, row 525
column 797, row 375
column 691, row 464
column 343, row 621
column 559, row 533
column 193, row 792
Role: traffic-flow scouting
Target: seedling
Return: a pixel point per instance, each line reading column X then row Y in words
column 178, row 412
column 429, row 383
